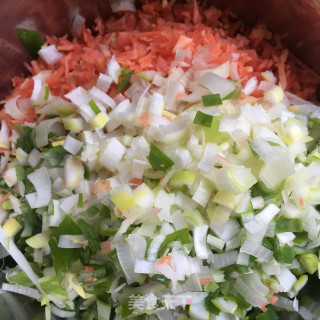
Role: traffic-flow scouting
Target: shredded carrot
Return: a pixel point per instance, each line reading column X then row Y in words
column 205, row 281
column 223, row 158
column 301, row 202
column 3, row 150
column 116, row 211
column 9, row 179
column 144, row 119
column 164, row 260
column 5, row 197
column 105, row 247
column 156, row 213
column 90, row 279
column 273, row 299
column 136, row 182
column 107, row 187
column 149, row 39
column 249, row 99
column 88, row 268
column 165, row 186
column 263, row 308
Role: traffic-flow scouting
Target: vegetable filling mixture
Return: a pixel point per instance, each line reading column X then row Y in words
column 158, row 167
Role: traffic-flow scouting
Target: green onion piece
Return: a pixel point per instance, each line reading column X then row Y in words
column 20, row 172
column 203, row 119
column 210, row 307
column 181, row 235
column 27, row 139
column 212, row 134
column 212, row 287
column 309, row 262
column 314, row 132
column 6, row 205
column 50, row 208
column 124, row 71
column 54, row 155
column 162, row 279
column 211, row 100
column 242, row 268
column 124, row 81
column 62, row 257
column 235, row 94
column 52, row 285
column 288, row 225
column 19, row 278
column 80, row 200
column 256, row 156
column 158, row 159
column 94, row 106
column 284, row 254
column 268, row 243
column 90, row 234
column 105, row 212
column 31, row 40
column 92, row 211
column 46, row 93
column 270, row 314
column 274, row 144
column 301, row 237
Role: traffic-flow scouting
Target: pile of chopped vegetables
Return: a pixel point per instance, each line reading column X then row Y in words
column 158, row 168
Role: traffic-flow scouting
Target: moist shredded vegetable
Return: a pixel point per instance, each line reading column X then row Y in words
column 158, row 167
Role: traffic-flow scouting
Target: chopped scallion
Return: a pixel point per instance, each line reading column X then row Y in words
column 211, row 100
column 80, row 200
column 125, row 81
column 203, row 119
column 31, row 40
column 158, row 159
column 288, row 225
column 94, row 106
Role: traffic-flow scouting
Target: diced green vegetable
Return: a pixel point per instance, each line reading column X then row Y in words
column 181, row 235
column 235, row 94
column 270, row 314
column 89, row 233
column 55, row 155
column 31, row 40
column 26, row 141
column 212, row 134
column 46, row 93
column 158, row 159
column 211, row 100
column 284, row 254
column 203, row 119
column 80, row 200
column 21, row 174
column 309, row 262
column 94, row 106
column 62, row 257
column 288, row 225
column 125, row 81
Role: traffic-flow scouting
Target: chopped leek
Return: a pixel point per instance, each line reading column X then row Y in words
column 203, row 119
column 158, row 159
column 211, row 100
column 31, row 40
column 125, row 81
column 94, row 106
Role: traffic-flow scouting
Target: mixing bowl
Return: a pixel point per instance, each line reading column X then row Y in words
column 296, row 21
